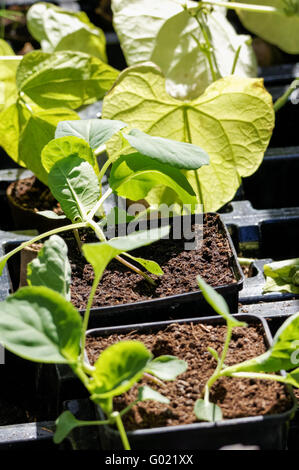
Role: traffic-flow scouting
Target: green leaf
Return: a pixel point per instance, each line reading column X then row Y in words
column 170, row 152
column 118, row 368
column 63, row 147
column 38, row 324
column 5, row 49
column 96, row 132
column 281, row 29
column 232, row 121
column 51, row 215
column 207, row 411
column 24, row 133
column 170, row 38
column 65, row 423
column 293, row 378
column 58, row 29
column 134, row 176
column 8, row 70
column 218, row 303
column 75, row 185
column 146, row 393
column 100, row 254
column 283, row 354
column 51, row 268
column 149, row 265
column 167, row 367
column 281, row 276
column 64, row 78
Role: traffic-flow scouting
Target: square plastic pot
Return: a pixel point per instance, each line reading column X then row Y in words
column 267, row 432
column 171, row 307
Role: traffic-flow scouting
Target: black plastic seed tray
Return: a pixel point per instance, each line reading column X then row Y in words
column 31, row 436
column 282, row 74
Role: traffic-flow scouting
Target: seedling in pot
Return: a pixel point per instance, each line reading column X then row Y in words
column 283, row 355
column 39, row 324
column 74, row 178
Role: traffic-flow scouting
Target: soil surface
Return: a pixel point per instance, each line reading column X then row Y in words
column 30, row 193
column 237, row 397
column 121, row 285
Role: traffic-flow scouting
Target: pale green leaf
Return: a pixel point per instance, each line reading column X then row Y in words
column 170, row 152
column 100, row 254
column 51, row 215
column 64, row 78
column 24, row 133
column 38, row 324
column 8, row 87
column 149, row 265
column 283, row 354
column 293, row 378
column 147, row 393
column 96, row 132
column 75, row 185
column 232, row 121
column 218, row 303
column 58, row 29
column 281, row 29
column 63, row 147
column 282, row 276
column 166, row 367
column 118, row 368
column 206, row 411
column 51, row 268
column 5, row 49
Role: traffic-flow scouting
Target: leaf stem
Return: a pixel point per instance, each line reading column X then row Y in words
column 237, row 54
column 281, row 101
column 123, row 435
column 41, row 236
column 100, row 203
column 243, row 6
column 87, row 315
column 218, row 369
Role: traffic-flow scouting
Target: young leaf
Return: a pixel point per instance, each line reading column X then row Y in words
column 280, row 29
column 58, row 29
column 51, row 268
column 207, row 411
column 166, row 367
column 95, row 132
column 24, row 133
column 51, row 215
column 75, row 185
column 100, row 254
column 283, row 354
column 149, row 265
column 217, row 302
column 293, row 378
column 239, row 111
column 147, row 393
column 65, row 423
column 134, row 176
column 8, row 70
column 63, row 147
column 64, row 78
column 173, row 153
column 281, row 276
column 118, row 368
column 5, row 49
column 38, row 324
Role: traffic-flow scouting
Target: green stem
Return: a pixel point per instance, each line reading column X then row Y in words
column 41, row 236
column 100, row 203
column 246, row 261
column 236, row 59
column 188, row 139
column 87, row 315
column 127, row 409
column 254, row 375
column 218, row 369
column 123, row 435
column 104, row 169
column 243, row 6
column 280, row 102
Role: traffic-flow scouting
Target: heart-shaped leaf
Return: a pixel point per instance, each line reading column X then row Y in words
column 232, row 121
column 167, row 367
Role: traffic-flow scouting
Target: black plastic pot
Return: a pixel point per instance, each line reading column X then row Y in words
column 31, row 436
column 274, row 185
column 267, row 432
column 175, row 306
column 285, row 133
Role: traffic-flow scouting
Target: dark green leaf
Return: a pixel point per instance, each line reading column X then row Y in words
column 38, row 324
column 64, row 425
column 75, row 185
